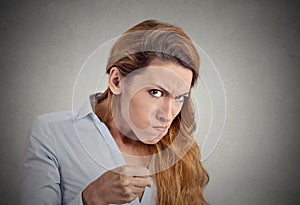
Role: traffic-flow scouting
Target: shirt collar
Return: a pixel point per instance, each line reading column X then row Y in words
column 87, row 108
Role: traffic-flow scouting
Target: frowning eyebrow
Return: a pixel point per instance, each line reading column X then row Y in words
column 169, row 93
column 186, row 94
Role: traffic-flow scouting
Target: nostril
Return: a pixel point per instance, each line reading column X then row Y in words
column 162, row 119
column 159, row 114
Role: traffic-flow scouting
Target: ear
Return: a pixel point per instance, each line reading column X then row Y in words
column 114, row 80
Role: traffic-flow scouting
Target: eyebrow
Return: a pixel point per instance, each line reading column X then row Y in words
column 185, row 94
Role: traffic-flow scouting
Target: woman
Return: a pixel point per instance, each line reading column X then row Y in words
column 131, row 144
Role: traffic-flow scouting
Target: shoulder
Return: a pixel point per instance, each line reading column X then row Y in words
column 55, row 117
column 42, row 131
column 52, row 118
column 41, row 125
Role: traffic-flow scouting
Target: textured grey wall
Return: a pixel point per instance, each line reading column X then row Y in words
column 254, row 44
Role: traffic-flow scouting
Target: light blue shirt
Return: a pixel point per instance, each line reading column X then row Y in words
column 65, row 152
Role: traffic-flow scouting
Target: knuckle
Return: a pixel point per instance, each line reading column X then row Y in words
column 141, row 182
column 132, row 197
column 124, row 181
column 127, row 193
column 129, row 196
column 124, row 169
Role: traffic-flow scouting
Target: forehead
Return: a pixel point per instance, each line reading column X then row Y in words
column 176, row 69
column 169, row 76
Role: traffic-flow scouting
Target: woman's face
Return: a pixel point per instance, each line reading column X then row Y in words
column 150, row 99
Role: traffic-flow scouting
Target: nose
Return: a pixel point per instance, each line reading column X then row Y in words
column 168, row 111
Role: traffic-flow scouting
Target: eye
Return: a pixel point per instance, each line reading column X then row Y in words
column 156, row 93
column 181, row 98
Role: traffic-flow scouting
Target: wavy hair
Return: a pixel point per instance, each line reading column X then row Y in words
column 179, row 175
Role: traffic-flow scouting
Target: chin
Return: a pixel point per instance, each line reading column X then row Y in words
column 153, row 140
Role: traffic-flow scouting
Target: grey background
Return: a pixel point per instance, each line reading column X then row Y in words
column 254, row 44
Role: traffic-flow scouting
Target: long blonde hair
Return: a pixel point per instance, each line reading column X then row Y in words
column 179, row 174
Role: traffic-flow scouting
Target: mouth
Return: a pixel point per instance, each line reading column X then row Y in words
column 160, row 128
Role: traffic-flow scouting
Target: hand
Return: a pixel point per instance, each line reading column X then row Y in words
column 117, row 186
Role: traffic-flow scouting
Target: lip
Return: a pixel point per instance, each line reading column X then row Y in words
column 160, row 128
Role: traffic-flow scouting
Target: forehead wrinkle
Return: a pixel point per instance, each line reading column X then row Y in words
column 170, row 82
column 165, row 78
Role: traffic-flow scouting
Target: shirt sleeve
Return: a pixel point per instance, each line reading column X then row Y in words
column 40, row 178
column 77, row 200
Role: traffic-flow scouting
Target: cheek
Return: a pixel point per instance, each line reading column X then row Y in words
column 178, row 110
column 139, row 113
